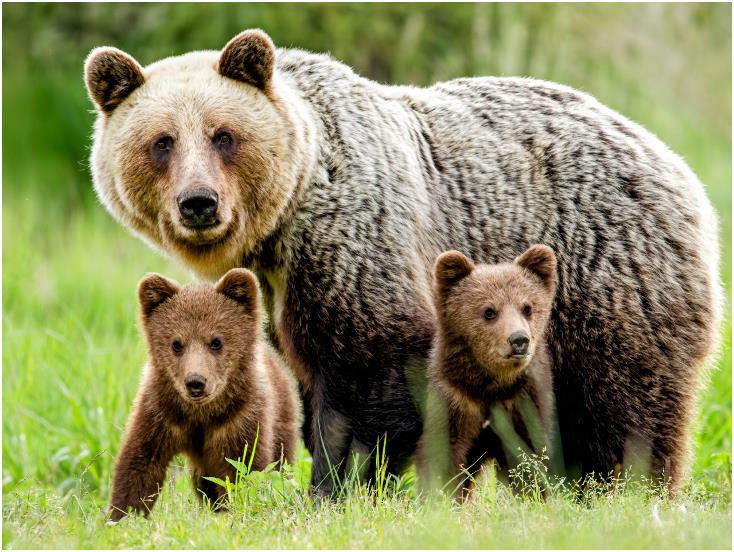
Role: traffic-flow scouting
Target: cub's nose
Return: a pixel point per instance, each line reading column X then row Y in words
column 198, row 206
column 195, row 385
column 519, row 342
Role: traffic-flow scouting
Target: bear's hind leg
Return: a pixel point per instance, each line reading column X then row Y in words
column 332, row 439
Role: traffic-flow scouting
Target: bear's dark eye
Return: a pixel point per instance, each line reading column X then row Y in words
column 176, row 346
column 216, row 344
column 527, row 310
column 160, row 151
column 490, row 313
column 163, row 144
column 223, row 139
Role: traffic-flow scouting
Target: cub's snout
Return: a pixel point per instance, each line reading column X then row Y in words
column 519, row 341
column 196, row 386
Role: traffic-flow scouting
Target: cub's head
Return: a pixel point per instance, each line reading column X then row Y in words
column 499, row 311
column 196, row 153
column 201, row 337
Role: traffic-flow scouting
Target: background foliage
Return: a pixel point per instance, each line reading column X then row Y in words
column 71, row 350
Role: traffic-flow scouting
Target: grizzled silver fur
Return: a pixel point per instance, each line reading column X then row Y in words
column 390, row 176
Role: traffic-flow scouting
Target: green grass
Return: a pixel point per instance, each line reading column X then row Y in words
column 274, row 513
column 72, row 357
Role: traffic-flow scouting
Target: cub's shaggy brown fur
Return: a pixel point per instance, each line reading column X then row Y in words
column 490, row 353
column 211, row 386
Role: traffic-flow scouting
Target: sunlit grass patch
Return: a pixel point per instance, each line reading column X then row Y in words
column 72, row 358
column 274, row 509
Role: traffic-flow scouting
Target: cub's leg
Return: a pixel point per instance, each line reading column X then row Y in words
column 464, row 428
column 141, row 466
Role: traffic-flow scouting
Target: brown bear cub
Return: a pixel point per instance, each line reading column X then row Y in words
column 211, row 386
column 490, row 361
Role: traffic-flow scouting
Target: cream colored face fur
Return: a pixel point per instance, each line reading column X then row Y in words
column 186, row 104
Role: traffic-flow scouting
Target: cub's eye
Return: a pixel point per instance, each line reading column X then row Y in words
column 216, row 344
column 490, row 314
column 176, row 346
column 527, row 310
column 223, row 139
column 163, row 144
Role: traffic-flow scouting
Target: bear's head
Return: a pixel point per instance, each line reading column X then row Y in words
column 202, row 339
column 500, row 312
column 199, row 154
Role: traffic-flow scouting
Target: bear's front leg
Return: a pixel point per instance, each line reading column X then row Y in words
column 141, row 467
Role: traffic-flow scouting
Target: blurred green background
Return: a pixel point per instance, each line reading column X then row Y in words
column 71, row 350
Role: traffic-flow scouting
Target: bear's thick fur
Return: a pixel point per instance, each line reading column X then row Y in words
column 490, row 357
column 339, row 193
column 211, row 387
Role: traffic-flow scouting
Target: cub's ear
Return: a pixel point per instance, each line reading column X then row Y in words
column 541, row 261
column 154, row 290
column 250, row 58
column 111, row 75
column 450, row 268
column 240, row 285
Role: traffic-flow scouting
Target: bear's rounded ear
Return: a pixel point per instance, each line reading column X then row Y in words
column 154, row 290
column 541, row 261
column 450, row 268
column 111, row 76
column 239, row 284
column 250, row 58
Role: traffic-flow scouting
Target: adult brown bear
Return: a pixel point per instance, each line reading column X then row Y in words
column 340, row 192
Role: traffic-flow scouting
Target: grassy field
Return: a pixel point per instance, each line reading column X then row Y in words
column 72, row 357
column 72, row 352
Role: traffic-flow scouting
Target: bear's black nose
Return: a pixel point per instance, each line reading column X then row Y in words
column 198, row 207
column 519, row 342
column 195, row 385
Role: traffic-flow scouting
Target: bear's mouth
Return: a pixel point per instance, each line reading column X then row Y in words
column 209, row 234
column 197, row 394
column 514, row 363
column 201, row 237
column 199, row 226
column 201, row 398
